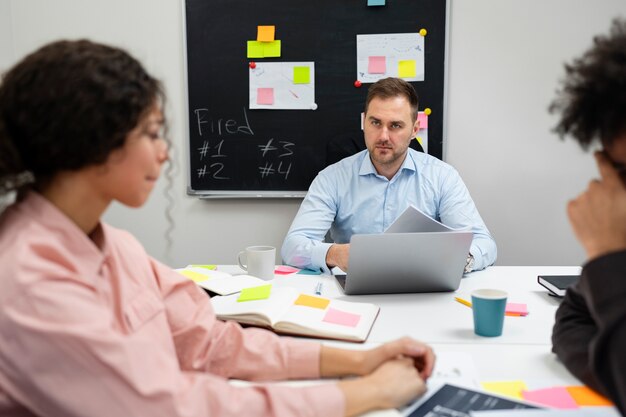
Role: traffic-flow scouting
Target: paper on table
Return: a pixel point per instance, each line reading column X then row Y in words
column 413, row 220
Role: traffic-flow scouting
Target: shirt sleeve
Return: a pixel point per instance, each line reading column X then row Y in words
column 589, row 334
column 457, row 210
column 80, row 362
column 304, row 245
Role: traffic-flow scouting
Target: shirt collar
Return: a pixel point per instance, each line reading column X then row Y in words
column 68, row 233
column 367, row 167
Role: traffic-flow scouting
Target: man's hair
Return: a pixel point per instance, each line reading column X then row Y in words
column 592, row 98
column 67, row 106
column 393, row 87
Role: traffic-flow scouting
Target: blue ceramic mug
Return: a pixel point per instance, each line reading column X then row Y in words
column 488, row 307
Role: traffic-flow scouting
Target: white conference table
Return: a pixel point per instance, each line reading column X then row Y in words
column 523, row 352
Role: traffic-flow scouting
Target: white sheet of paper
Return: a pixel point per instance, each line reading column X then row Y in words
column 287, row 95
column 395, row 47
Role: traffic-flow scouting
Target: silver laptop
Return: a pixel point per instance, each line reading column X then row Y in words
column 406, row 262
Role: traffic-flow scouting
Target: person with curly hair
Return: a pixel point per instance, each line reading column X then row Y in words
column 91, row 325
column 589, row 335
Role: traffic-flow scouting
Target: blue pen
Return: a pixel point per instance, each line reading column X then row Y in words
column 318, row 289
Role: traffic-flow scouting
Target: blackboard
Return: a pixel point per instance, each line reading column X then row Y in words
column 237, row 151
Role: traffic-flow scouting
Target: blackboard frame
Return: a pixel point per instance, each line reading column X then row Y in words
column 437, row 125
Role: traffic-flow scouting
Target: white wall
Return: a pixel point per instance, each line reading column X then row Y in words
column 504, row 61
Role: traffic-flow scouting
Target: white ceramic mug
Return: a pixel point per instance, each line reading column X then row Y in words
column 259, row 261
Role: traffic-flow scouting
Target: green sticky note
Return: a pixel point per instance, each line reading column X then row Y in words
column 301, row 75
column 406, row 69
column 255, row 293
column 271, row 49
column 255, row 49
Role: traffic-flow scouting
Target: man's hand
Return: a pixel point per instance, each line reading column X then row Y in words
column 338, row 255
column 598, row 215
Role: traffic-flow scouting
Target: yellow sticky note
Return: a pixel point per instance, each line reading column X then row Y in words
column 193, row 275
column 265, row 33
column 209, row 266
column 509, row 388
column 407, row 69
column 271, row 49
column 311, row 301
column 301, row 75
column 255, row 49
column 584, row 396
column 255, row 293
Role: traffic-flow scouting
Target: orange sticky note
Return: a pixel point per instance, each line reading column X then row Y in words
column 585, row 396
column 312, row 301
column 265, row 33
column 341, row 317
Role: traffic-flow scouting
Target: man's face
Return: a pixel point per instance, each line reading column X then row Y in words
column 617, row 155
column 388, row 129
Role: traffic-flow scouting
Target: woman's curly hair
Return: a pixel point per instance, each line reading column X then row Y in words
column 67, row 106
column 592, row 98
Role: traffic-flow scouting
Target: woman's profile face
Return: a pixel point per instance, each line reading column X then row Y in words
column 130, row 173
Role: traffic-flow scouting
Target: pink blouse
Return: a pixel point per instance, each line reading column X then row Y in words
column 102, row 329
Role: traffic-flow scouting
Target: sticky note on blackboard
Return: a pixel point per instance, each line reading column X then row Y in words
column 407, row 69
column 265, row 33
column 375, row 2
column 423, row 119
column 265, row 96
column 377, row 65
column 271, row 49
column 301, row 75
column 255, row 49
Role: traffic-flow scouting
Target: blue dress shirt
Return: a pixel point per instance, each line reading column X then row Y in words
column 349, row 197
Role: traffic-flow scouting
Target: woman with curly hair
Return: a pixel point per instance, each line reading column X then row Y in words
column 590, row 331
column 90, row 325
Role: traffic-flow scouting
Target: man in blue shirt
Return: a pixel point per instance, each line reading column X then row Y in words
column 366, row 192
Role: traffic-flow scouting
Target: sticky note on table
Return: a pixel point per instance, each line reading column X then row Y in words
column 193, row 275
column 556, row 397
column 377, row 65
column 509, row 388
column 285, row 269
column 301, row 75
column 375, row 2
column 309, row 272
column 407, row 68
column 265, row 33
column 255, row 293
column 312, row 301
column 516, row 308
column 341, row 317
column 255, row 49
column 265, row 96
column 271, row 49
column 584, row 396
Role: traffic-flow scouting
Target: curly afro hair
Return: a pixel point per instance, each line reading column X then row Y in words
column 592, row 98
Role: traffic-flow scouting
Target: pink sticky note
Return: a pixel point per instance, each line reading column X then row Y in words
column 285, row 269
column 423, row 119
column 556, row 397
column 517, row 308
column 377, row 65
column 265, row 96
column 341, row 317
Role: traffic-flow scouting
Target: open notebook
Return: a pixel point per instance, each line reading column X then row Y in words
column 219, row 282
column 286, row 310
